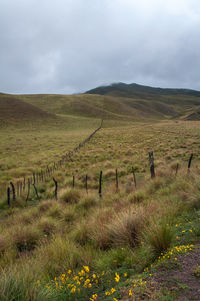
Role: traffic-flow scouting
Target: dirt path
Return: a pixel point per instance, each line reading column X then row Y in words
column 181, row 281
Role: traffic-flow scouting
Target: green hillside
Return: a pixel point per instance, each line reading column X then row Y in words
column 130, row 90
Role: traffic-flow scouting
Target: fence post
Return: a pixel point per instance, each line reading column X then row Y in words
column 117, row 183
column 28, row 192
column 73, row 183
column 100, row 184
column 189, row 162
column 152, row 170
column 13, row 191
column 36, row 192
column 8, row 196
column 56, row 188
column 134, row 177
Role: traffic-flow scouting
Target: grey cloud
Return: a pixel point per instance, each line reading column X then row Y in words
column 68, row 46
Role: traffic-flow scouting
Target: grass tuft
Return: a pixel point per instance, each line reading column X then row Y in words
column 159, row 235
column 126, row 227
column 70, row 196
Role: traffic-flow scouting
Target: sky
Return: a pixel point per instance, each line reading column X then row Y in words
column 70, row 46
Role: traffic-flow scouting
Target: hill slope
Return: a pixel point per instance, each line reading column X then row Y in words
column 118, row 101
column 100, row 106
column 13, row 110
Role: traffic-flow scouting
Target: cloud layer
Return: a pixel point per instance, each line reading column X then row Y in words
column 69, row 46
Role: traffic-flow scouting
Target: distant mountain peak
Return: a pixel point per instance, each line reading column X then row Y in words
column 132, row 90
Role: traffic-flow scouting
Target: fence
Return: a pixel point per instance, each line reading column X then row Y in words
column 152, row 173
column 18, row 187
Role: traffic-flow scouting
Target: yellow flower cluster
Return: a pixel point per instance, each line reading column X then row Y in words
column 171, row 254
column 108, row 293
column 74, row 283
column 139, row 283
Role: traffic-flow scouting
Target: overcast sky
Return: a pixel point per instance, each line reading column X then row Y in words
column 69, row 46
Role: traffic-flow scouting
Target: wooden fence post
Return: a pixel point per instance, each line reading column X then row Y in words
column 189, row 162
column 8, row 196
column 151, row 160
column 116, row 176
column 134, row 177
column 100, row 184
column 36, row 192
column 56, row 188
column 28, row 192
column 73, row 182
column 13, row 191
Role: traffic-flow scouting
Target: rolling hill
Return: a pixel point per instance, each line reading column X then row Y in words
column 117, row 102
column 14, row 110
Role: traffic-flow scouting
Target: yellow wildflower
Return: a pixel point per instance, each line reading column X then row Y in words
column 117, row 277
column 86, row 268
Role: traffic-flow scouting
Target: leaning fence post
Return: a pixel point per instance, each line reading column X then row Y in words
column 8, row 196
column 134, row 177
column 189, row 162
column 13, row 191
column 152, row 170
column 100, row 184
column 56, row 188
column 36, row 192
column 117, row 183
column 28, row 191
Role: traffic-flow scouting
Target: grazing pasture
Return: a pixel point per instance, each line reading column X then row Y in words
column 96, row 238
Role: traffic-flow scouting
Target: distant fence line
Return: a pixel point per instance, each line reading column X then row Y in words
column 16, row 188
column 49, row 173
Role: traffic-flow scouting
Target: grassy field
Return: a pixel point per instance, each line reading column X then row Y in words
column 86, row 247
